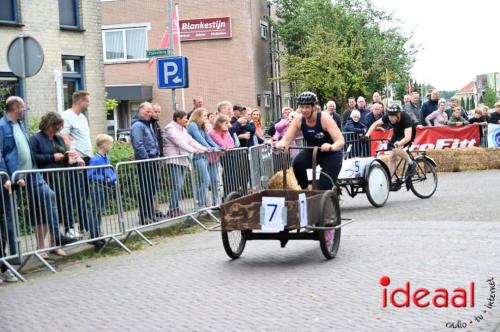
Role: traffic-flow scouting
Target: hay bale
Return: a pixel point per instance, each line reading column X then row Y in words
column 445, row 159
column 493, row 158
column 471, row 159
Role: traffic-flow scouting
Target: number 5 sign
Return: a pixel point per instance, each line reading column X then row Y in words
column 273, row 214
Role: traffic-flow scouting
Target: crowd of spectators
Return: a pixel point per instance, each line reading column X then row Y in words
column 64, row 141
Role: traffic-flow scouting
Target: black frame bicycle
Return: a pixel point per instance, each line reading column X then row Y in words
column 425, row 173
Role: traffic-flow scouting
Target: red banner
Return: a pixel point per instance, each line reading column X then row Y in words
column 205, row 28
column 438, row 138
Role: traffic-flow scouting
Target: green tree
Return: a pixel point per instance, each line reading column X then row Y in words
column 462, row 103
column 467, row 104
column 472, row 104
column 447, row 94
column 490, row 97
column 339, row 49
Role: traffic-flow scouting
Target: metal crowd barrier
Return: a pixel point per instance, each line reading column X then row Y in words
column 483, row 134
column 10, row 252
column 261, row 166
column 155, row 191
column 56, row 206
column 235, row 171
column 358, row 147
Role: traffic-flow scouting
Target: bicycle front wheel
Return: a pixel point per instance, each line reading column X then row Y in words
column 424, row 182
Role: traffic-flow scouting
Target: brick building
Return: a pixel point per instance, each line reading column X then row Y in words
column 69, row 32
column 238, row 67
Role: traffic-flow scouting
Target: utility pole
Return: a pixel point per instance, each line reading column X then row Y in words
column 170, row 13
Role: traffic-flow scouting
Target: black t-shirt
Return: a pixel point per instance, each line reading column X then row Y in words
column 399, row 127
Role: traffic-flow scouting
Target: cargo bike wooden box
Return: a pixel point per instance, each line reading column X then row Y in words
column 306, row 215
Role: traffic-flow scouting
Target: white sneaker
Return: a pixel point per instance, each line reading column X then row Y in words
column 8, row 276
column 73, row 233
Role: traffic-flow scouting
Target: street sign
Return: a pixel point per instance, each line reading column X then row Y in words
column 173, row 73
column 158, row 53
column 25, row 56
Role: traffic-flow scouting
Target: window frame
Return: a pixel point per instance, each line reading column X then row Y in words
column 267, row 99
column 77, row 76
column 264, row 30
column 123, row 29
column 16, row 21
column 78, row 26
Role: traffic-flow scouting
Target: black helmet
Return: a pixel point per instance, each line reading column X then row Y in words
column 393, row 109
column 307, row 98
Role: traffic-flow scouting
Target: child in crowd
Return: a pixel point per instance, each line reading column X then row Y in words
column 456, row 118
column 101, row 179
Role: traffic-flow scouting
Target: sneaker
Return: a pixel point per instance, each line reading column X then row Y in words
column 175, row 213
column 160, row 215
column 410, row 171
column 395, row 186
column 147, row 221
column 8, row 276
column 73, row 233
column 98, row 245
column 65, row 240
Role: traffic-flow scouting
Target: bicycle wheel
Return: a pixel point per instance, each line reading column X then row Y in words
column 329, row 215
column 424, row 182
column 233, row 241
column 377, row 185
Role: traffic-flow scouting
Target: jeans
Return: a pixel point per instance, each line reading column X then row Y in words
column 201, row 180
column 213, row 171
column 176, row 176
column 42, row 204
column 330, row 163
column 78, row 184
column 99, row 198
column 148, row 185
column 7, row 225
column 61, row 184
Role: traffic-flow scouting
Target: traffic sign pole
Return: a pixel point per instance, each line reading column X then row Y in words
column 22, row 78
column 170, row 10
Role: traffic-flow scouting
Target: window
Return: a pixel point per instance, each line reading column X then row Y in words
column 9, row 86
column 69, row 14
column 72, row 68
column 125, row 44
column 8, row 11
column 264, row 30
column 267, row 99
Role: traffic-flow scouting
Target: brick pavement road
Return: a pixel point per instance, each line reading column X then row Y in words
column 188, row 283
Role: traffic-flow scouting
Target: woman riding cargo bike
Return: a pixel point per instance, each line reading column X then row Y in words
column 318, row 130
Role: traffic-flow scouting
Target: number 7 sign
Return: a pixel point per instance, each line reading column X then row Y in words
column 273, row 214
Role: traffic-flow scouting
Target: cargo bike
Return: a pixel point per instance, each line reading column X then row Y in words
column 371, row 176
column 282, row 215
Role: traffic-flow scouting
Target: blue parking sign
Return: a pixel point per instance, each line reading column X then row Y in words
column 173, row 72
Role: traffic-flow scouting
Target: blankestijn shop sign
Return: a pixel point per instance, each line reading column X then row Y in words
column 205, row 28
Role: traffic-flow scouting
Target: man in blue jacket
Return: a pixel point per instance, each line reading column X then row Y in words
column 145, row 146
column 16, row 155
column 429, row 106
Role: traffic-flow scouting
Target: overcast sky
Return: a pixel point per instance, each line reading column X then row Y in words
column 458, row 39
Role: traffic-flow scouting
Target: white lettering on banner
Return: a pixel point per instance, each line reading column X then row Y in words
column 441, row 143
column 198, row 26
